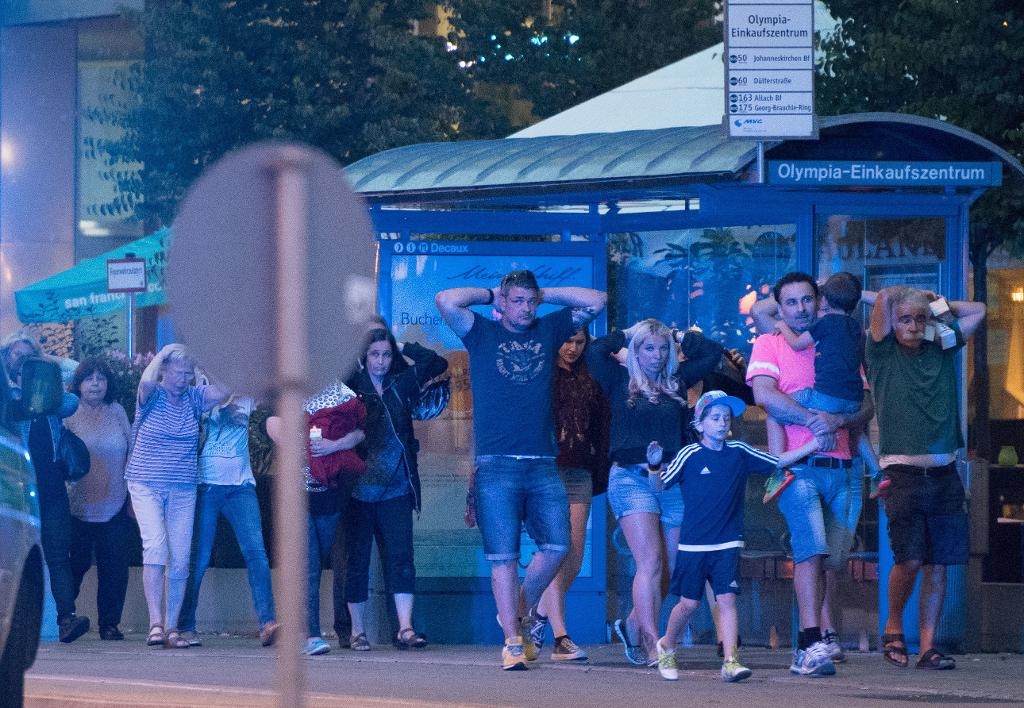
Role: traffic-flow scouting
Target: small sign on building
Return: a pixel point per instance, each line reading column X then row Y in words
column 126, row 275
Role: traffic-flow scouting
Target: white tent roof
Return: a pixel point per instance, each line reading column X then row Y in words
column 686, row 93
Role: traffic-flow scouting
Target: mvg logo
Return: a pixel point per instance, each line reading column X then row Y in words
column 747, row 121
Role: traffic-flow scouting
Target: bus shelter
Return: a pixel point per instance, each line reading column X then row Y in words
column 681, row 224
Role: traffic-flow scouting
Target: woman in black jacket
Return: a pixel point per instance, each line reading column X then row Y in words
column 385, row 497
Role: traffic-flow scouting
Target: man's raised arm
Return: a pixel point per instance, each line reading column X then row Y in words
column 881, row 316
column 586, row 303
column 969, row 314
column 454, row 303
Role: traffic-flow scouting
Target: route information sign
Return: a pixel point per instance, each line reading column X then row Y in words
column 769, row 69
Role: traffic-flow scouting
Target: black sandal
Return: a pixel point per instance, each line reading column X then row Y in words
column 895, row 654
column 408, row 639
column 936, row 660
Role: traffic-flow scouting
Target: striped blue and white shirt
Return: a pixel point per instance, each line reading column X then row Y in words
column 166, row 439
column 713, row 483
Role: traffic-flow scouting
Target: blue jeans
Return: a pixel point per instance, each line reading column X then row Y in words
column 321, row 524
column 240, row 507
column 511, row 491
column 809, row 398
column 821, row 507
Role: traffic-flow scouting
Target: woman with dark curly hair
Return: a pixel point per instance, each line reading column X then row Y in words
column 100, row 524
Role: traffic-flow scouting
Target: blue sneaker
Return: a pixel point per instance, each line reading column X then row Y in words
column 634, row 653
column 533, row 626
column 316, row 646
column 814, row 661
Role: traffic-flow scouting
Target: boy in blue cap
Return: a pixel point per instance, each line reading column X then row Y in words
column 712, row 475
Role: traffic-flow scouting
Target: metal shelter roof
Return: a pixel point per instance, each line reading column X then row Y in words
column 662, row 163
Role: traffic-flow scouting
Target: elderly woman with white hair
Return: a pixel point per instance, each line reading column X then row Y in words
column 649, row 414
column 162, row 475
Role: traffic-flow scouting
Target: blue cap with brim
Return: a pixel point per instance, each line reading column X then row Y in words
column 718, row 398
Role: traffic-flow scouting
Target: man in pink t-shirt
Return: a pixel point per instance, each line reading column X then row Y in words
column 820, row 541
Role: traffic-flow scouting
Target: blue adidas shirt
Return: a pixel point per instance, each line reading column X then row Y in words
column 713, row 483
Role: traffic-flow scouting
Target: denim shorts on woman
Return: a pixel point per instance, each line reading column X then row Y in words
column 512, row 492
column 579, row 484
column 630, row 491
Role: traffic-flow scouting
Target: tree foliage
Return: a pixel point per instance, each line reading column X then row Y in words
column 348, row 77
column 558, row 53
column 958, row 61
column 962, row 62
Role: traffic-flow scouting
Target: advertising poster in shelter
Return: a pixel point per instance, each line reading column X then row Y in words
column 412, row 272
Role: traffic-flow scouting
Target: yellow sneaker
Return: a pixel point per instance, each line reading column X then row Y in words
column 513, row 657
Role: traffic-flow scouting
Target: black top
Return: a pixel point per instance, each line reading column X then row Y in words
column 392, row 409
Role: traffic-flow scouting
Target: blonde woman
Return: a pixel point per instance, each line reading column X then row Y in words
column 162, row 475
column 648, row 416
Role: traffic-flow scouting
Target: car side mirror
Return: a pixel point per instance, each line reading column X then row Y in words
column 42, row 390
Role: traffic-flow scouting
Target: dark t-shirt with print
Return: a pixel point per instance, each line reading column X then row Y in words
column 511, row 379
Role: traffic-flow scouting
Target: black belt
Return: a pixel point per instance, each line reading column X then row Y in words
column 942, row 471
column 832, row 463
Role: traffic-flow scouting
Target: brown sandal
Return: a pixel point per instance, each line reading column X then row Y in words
column 409, row 639
column 174, row 640
column 894, row 650
column 156, row 636
column 936, row 660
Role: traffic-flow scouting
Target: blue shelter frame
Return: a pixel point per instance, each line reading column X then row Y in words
column 675, row 194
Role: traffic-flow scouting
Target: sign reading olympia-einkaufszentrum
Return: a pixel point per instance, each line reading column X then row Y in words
column 769, row 69
column 873, row 173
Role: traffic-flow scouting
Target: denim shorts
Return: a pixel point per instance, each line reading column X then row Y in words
column 579, row 484
column 809, row 398
column 927, row 516
column 721, row 568
column 630, row 492
column 821, row 507
column 511, row 492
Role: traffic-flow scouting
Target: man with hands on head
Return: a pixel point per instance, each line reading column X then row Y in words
column 511, row 376
column 916, row 385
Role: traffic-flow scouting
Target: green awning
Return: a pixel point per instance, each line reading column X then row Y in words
column 81, row 291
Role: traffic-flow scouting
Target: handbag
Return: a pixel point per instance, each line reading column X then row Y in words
column 73, row 455
column 729, row 375
column 433, row 399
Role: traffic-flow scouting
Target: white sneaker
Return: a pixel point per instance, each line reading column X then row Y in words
column 835, row 650
column 668, row 667
column 733, row 670
column 814, row 661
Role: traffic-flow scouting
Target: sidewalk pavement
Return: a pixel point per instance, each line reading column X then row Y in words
column 237, row 671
